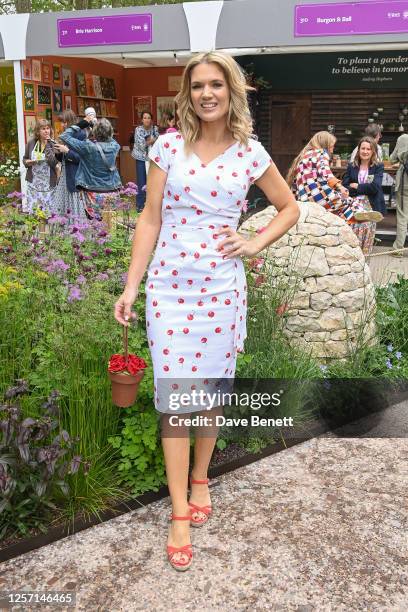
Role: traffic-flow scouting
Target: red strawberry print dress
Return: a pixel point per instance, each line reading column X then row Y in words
column 196, row 299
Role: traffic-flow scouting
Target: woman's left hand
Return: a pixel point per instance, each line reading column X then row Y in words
column 354, row 185
column 235, row 245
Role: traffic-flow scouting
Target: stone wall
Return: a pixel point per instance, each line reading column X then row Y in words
column 332, row 308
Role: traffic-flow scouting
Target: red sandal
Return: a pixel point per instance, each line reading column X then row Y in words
column 187, row 551
column 206, row 510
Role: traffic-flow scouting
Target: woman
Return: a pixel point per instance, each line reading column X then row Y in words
column 97, row 177
column 312, row 180
column 195, row 290
column 66, row 196
column 145, row 135
column 41, row 164
column 170, row 123
column 400, row 156
column 363, row 178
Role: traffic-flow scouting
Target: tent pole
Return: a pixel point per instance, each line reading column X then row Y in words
column 20, row 121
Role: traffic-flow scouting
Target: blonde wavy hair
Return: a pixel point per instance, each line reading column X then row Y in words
column 321, row 140
column 239, row 120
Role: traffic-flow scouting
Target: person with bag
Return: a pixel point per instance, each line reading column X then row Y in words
column 66, row 196
column 97, row 176
column 145, row 135
column 400, row 156
column 196, row 286
column 42, row 165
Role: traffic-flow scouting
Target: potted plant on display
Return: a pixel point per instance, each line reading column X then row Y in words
column 125, row 372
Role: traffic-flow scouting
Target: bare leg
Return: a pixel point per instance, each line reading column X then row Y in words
column 205, row 439
column 176, row 456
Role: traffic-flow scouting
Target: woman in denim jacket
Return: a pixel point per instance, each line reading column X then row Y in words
column 145, row 135
column 97, row 175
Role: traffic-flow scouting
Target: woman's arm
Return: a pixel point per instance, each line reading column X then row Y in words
column 278, row 193
column 347, row 179
column 50, row 156
column 27, row 161
column 144, row 240
column 69, row 137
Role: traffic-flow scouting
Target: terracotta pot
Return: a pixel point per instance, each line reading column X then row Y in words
column 125, row 387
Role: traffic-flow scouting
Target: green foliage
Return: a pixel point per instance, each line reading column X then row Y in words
column 142, row 461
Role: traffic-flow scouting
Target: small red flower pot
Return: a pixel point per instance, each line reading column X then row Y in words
column 125, row 387
column 125, row 372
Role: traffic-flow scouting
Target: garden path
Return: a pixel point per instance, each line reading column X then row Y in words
column 320, row 526
column 384, row 268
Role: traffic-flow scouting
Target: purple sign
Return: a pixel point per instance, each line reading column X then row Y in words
column 112, row 30
column 346, row 19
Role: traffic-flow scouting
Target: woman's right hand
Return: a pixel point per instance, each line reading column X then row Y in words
column 344, row 192
column 123, row 307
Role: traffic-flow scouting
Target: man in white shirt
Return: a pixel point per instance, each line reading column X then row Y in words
column 373, row 130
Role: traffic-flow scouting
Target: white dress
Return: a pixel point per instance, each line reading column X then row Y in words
column 196, row 299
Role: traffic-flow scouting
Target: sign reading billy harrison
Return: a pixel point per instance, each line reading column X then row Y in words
column 99, row 31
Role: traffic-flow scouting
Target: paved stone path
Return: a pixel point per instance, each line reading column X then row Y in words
column 384, row 268
column 320, row 526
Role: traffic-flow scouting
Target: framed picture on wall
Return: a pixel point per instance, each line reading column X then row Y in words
column 36, row 70
column 66, row 78
column 164, row 106
column 174, row 83
column 57, row 100
column 58, row 128
column 28, row 97
column 46, row 73
column 56, row 73
column 67, row 102
column 29, row 126
column 43, row 94
column 81, row 84
column 48, row 114
column 81, row 107
column 139, row 105
column 26, row 70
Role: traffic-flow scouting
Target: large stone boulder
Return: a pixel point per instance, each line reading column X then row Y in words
column 331, row 306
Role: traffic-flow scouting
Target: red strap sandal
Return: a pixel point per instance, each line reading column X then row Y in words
column 206, row 510
column 182, row 564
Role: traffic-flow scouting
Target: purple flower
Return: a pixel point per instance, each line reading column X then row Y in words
column 398, row 354
column 388, row 364
column 124, row 277
column 58, row 265
column 102, row 276
column 80, row 237
column 108, row 251
column 15, row 194
column 35, row 240
column 81, row 279
column 102, row 234
column 94, row 253
column 74, row 294
column 390, row 348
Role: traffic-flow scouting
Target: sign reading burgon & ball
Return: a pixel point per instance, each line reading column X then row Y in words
column 112, row 30
column 347, row 19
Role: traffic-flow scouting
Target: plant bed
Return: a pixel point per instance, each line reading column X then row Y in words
column 223, row 461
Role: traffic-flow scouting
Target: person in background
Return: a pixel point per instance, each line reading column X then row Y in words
column 66, row 196
column 372, row 130
column 97, row 176
column 145, row 135
column 41, row 164
column 363, row 178
column 171, row 123
column 312, row 180
column 400, row 156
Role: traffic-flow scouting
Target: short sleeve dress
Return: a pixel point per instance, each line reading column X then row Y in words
column 196, row 299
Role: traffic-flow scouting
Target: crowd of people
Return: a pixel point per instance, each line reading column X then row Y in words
column 358, row 197
column 78, row 171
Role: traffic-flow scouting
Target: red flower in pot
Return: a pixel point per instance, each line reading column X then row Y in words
column 126, row 372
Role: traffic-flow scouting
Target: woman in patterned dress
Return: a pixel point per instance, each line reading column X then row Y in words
column 312, row 180
column 66, row 196
column 39, row 159
column 195, row 290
